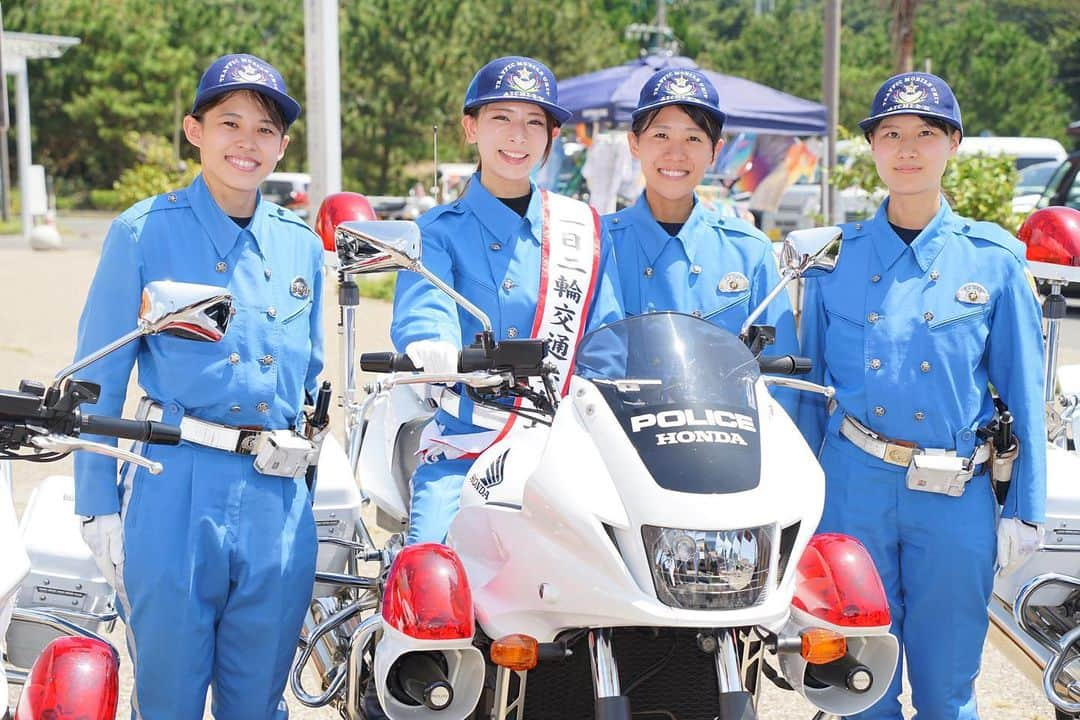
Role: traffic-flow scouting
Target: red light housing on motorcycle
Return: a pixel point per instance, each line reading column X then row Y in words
column 73, row 678
column 336, row 209
column 427, row 594
column 1052, row 235
column 836, row 581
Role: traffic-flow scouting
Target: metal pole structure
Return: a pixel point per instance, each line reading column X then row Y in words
column 22, row 134
column 5, row 125
column 830, row 90
column 323, row 107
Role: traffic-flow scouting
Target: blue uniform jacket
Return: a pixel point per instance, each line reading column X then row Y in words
column 489, row 254
column 718, row 268
column 911, row 338
column 272, row 352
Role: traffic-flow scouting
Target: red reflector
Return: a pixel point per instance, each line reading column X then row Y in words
column 336, row 209
column 427, row 594
column 74, row 678
column 836, row 581
column 1052, row 234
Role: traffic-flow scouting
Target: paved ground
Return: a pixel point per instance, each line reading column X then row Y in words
column 44, row 294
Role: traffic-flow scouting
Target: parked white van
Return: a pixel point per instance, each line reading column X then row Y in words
column 1026, row 150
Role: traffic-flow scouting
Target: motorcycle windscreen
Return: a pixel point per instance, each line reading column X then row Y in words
column 683, row 391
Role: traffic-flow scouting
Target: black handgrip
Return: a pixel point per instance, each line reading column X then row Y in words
column 139, row 430
column 785, row 364
column 384, row 362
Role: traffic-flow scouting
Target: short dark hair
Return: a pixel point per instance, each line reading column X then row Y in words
column 707, row 122
column 267, row 105
column 549, row 122
column 933, row 122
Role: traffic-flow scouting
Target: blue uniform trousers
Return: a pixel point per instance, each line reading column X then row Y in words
column 436, row 497
column 935, row 555
column 218, row 572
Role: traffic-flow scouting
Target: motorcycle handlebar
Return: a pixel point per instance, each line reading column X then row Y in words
column 148, row 431
column 386, row 362
column 785, row 365
column 469, row 360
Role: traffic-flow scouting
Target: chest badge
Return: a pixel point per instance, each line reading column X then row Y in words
column 299, row 288
column 733, row 282
column 973, row 293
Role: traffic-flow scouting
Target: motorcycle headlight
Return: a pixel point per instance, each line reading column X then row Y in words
column 709, row 569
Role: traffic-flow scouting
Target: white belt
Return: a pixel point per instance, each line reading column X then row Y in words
column 212, row 435
column 482, row 415
column 897, row 452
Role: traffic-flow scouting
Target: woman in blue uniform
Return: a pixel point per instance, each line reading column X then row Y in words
column 675, row 252
column 213, row 561
column 925, row 311
column 535, row 262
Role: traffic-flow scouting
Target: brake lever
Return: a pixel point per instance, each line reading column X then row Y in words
column 66, row 443
column 476, row 379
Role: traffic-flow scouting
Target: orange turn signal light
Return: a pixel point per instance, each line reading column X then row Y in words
column 515, row 652
column 820, row 646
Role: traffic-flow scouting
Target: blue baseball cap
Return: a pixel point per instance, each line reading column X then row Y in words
column 679, row 86
column 915, row 93
column 519, row 79
column 245, row 72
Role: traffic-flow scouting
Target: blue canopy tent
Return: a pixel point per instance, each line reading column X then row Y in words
column 612, row 94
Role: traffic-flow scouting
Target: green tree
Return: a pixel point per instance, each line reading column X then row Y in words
column 999, row 74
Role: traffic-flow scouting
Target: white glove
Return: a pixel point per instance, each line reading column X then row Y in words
column 433, row 356
column 1016, row 541
column 104, row 536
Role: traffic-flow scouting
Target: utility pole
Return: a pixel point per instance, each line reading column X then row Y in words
column 830, row 92
column 323, row 106
column 5, row 123
column 903, row 35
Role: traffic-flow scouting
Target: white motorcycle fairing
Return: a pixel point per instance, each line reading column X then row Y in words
column 566, row 550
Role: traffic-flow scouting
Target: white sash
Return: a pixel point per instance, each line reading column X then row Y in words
column 569, row 269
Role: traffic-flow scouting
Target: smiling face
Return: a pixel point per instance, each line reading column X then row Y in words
column 512, row 139
column 239, row 145
column 910, row 154
column 674, row 152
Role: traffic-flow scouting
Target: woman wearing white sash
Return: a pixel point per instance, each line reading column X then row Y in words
column 536, row 263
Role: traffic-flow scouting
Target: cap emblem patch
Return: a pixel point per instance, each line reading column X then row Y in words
column 524, row 80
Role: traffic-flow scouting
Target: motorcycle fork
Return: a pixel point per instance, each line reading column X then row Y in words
column 611, row 704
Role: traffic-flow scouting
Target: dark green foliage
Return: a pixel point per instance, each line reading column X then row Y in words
column 405, row 65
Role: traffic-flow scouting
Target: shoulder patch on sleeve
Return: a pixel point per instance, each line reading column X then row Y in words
column 994, row 233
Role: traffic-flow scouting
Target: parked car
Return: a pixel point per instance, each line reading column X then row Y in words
column 800, row 205
column 1026, row 151
column 289, row 190
column 1063, row 187
column 1030, row 185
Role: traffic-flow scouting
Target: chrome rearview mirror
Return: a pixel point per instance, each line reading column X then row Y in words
column 813, row 251
column 187, row 310
column 373, row 246
column 805, row 253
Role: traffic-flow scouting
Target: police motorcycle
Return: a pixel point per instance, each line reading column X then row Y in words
column 1035, row 610
column 642, row 548
column 52, row 612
